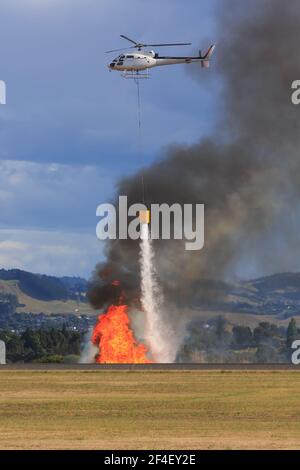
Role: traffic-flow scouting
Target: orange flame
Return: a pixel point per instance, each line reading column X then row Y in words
column 115, row 339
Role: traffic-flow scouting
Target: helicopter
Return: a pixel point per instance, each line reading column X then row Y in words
column 133, row 64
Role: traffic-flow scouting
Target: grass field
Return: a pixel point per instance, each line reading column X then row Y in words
column 149, row 410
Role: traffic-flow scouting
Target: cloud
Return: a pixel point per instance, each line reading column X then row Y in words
column 51, row 196
column 48, row 216
column 56, row 253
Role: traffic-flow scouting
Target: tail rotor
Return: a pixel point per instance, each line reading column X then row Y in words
column 205, row 60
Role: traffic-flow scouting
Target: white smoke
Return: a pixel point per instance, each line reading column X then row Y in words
column 159, row 336
column 89, row 350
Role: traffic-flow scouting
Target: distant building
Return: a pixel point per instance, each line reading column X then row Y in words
column 2, row 353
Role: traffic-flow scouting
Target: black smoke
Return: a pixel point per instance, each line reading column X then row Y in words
column 246, row 173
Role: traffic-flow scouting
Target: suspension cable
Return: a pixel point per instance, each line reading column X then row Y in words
column 141, row 150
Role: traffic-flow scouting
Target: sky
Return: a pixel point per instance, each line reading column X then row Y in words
column 69, row 129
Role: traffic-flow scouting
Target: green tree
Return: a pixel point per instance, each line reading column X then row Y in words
column 32, row 345
column 220, row 327
column 292, row 332
column 242, row 337
column 266, row 332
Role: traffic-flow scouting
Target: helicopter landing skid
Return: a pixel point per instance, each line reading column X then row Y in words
column 136, row 75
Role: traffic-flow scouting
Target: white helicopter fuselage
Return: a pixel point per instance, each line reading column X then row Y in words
column 141, row 60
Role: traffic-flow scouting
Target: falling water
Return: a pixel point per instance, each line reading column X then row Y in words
column 157, row 334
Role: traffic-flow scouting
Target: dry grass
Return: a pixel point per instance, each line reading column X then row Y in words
column 149, row 410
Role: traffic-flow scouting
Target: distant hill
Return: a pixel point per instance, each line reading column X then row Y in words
column 274, row 298
column 281, row 292
column 283, row 281
column 39, row 293
column 47, row 288
column 75, row 284
column 27, row 304
column 277, row 295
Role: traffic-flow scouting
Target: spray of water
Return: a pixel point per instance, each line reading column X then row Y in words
column 89, row 350
column 158, row 335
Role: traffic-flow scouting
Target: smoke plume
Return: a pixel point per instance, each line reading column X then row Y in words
column 246, row 173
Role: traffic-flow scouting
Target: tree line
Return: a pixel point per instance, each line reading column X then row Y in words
column 42, row 345
column 218, row 341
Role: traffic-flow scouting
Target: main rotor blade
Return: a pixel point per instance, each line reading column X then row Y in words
column 118, row 50
column 128, row 39
column 114, row 50
column 174, row 44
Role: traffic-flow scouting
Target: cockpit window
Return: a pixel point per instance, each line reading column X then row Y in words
column 129, row 57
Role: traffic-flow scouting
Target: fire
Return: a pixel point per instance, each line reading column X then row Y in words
column 115, row 339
